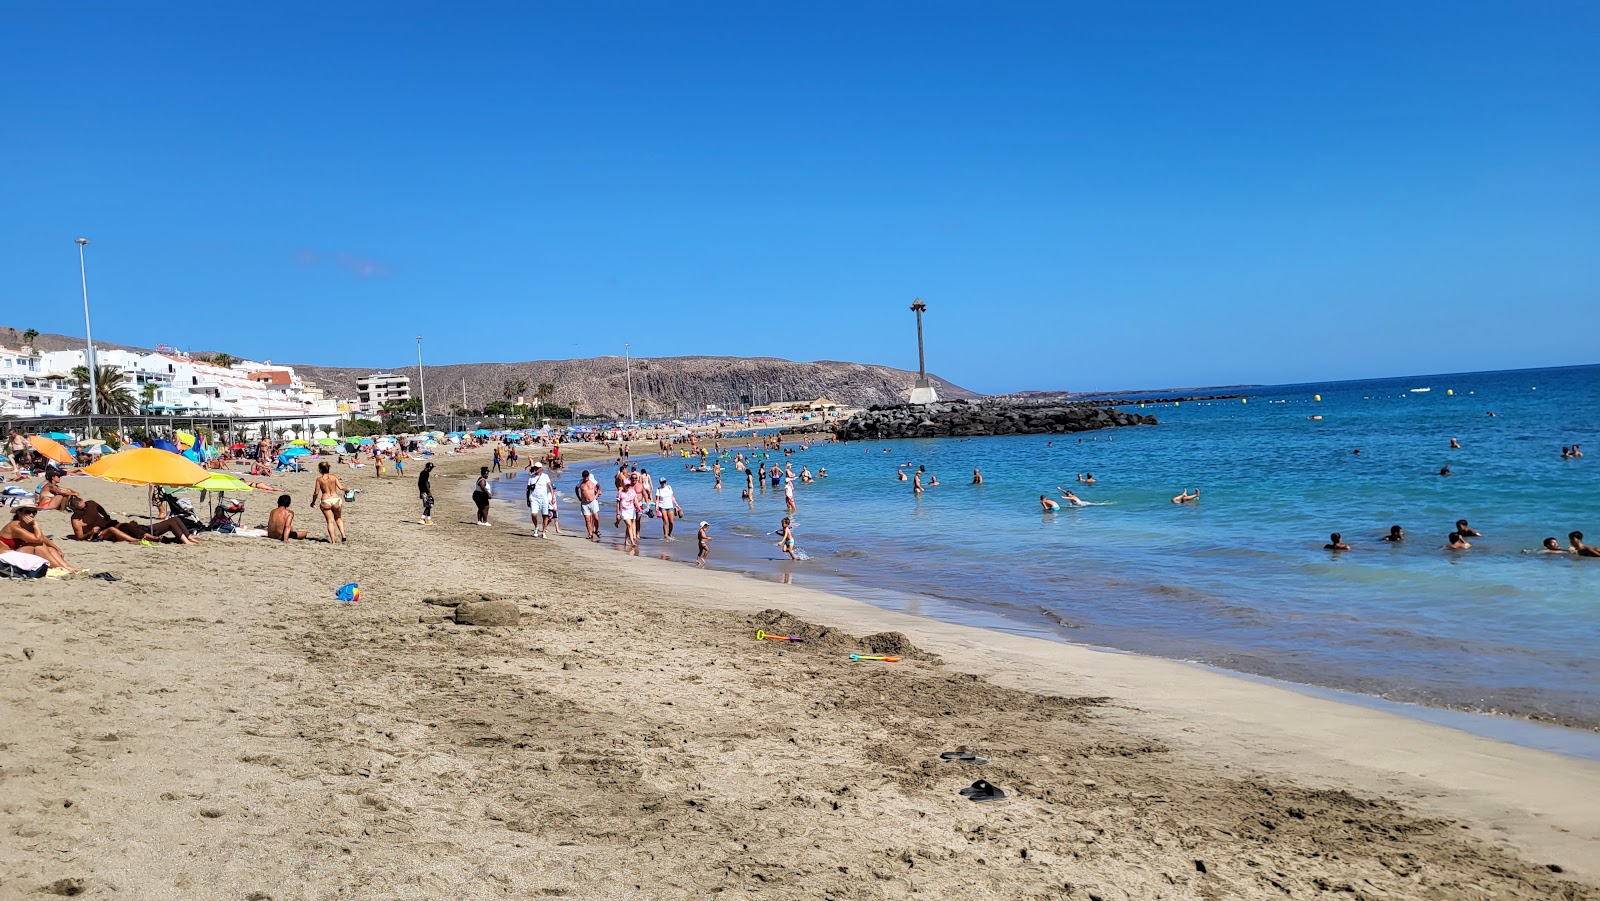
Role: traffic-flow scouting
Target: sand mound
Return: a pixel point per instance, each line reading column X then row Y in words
column 780, row 622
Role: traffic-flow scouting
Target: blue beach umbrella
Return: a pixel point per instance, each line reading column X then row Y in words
column 58, row 436
column 482, row 433
column 295, row 451
column 164, row 444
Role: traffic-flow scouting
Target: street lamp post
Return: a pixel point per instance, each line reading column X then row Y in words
column 88, row 338
column 422, row 385
column 628, row 359
column 923, row 392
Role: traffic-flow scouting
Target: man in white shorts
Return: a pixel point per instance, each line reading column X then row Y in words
column 539, row 491
column 589, row 501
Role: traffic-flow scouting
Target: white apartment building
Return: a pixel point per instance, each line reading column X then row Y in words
column 174, row 384
column 28, row 387
column 373, row 391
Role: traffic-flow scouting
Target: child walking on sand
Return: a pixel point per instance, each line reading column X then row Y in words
column 705, row 547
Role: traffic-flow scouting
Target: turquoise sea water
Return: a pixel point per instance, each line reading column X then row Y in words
column 1240, row 580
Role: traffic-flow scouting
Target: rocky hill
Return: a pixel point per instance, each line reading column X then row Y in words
column 599, row 385
column 660, row 384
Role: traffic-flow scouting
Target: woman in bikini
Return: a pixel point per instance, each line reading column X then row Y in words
column 22, row 533
column 52, row 496
column 328, row 495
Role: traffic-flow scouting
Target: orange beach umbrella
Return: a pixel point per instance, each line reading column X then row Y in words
column 51, row 448
column 148, row 466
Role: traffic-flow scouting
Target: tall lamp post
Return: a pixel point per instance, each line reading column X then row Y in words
column 88, row 338
column 422, row 385
column 628, row 360
column 922, row 392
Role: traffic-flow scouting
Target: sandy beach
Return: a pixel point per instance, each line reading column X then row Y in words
column 216, row 725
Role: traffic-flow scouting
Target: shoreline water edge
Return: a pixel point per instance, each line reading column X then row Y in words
column 1234, row 582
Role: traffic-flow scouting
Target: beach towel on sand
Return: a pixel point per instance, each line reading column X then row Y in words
column 23, row 564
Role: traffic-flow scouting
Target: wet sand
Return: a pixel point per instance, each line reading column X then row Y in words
column 216, row 725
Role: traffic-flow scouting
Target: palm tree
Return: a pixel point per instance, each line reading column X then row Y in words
column 224, row 360
column 111, row 389
column 28, row 336
column 147, row 397
column 544, row 391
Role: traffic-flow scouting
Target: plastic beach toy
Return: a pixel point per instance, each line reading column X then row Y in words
column 761, row 635
column 349, row 592
column 874, row 657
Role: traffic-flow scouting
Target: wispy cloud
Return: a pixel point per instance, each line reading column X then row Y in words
column 363, row 267
column 359, row 266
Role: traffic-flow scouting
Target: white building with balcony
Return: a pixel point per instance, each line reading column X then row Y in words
column 29, row 388
column 373, row 391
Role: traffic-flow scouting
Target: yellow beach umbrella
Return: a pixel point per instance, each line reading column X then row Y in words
column 148, row 466
column 185, row 439
column 223, row 481
column 51, row 448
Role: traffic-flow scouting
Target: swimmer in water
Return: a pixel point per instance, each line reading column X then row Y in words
column 1356, row 452
column 1069, row 497
column 1396, row 534
column 1551, row 546
column 1049, row 505
column 1186, row 497
column 1456, row 543
column 977, row 477
column 1336, row 543
column 1575, row 540
column 1445, row 470
column 1466, row 530
column 1454, row 444
column 901, row 473
column 1576, row 452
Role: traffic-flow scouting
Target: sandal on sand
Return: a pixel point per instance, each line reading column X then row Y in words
column 983, row 791
column 964, row 756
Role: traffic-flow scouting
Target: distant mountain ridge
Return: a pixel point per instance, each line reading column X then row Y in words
column 660, row 384
column 600, row 385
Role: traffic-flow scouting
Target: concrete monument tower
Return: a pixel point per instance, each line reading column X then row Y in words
column 922, row 392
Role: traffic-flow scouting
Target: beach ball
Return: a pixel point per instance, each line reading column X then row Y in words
column 1317, row 397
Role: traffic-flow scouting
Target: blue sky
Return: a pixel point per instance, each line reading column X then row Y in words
column 1086, row 195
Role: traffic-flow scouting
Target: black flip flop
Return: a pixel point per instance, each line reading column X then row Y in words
column 108, row 577
column 965, row 757
column 983, row 791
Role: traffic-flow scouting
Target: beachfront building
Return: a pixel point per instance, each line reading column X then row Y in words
column 377, row 389
column 819, row 405
column 29, row 388
column 174, row 384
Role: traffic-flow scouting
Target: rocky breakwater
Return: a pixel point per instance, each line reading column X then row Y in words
column 960, row 419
